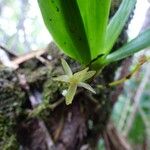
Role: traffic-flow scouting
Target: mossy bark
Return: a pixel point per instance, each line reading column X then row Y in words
column 70, row 127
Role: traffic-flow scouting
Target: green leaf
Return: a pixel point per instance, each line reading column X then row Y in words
column 95, row 17
column 117, row 22
column 86, row 86
column 135, row 45
column 63, row 20
column 71, row 93
column 66, row 67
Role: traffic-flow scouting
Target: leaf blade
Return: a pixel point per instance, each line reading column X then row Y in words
column 140, row 42
column 95, row 17
column 65, row 25
column 117, row 23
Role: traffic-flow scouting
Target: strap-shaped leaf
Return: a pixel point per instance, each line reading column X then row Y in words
column 117, row 22
column 135, row 45
column 64, row 22
column 95, row 16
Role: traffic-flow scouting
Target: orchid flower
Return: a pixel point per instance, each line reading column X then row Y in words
column 74, row 80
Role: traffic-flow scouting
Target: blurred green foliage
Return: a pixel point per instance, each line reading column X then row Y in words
column 138, row 133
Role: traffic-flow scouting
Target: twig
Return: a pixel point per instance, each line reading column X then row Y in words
column 4, row 58
column 54, row 105
column 138, row 66
column 8, row 51
column 29, row 56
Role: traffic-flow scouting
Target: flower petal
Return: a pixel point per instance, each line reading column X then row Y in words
column 62, row 78
column 88, row 75
column 86, row 86
column 71, row 93
column 80, row 75
column 66, row 67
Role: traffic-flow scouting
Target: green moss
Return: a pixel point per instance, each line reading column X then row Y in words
column 11, row 99
column 36, row 77
column 51, row 90
column 8, row 139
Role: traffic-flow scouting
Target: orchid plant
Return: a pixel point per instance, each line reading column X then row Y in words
column 82, row 30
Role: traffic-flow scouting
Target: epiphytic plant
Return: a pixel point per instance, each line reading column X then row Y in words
column 83, row 31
